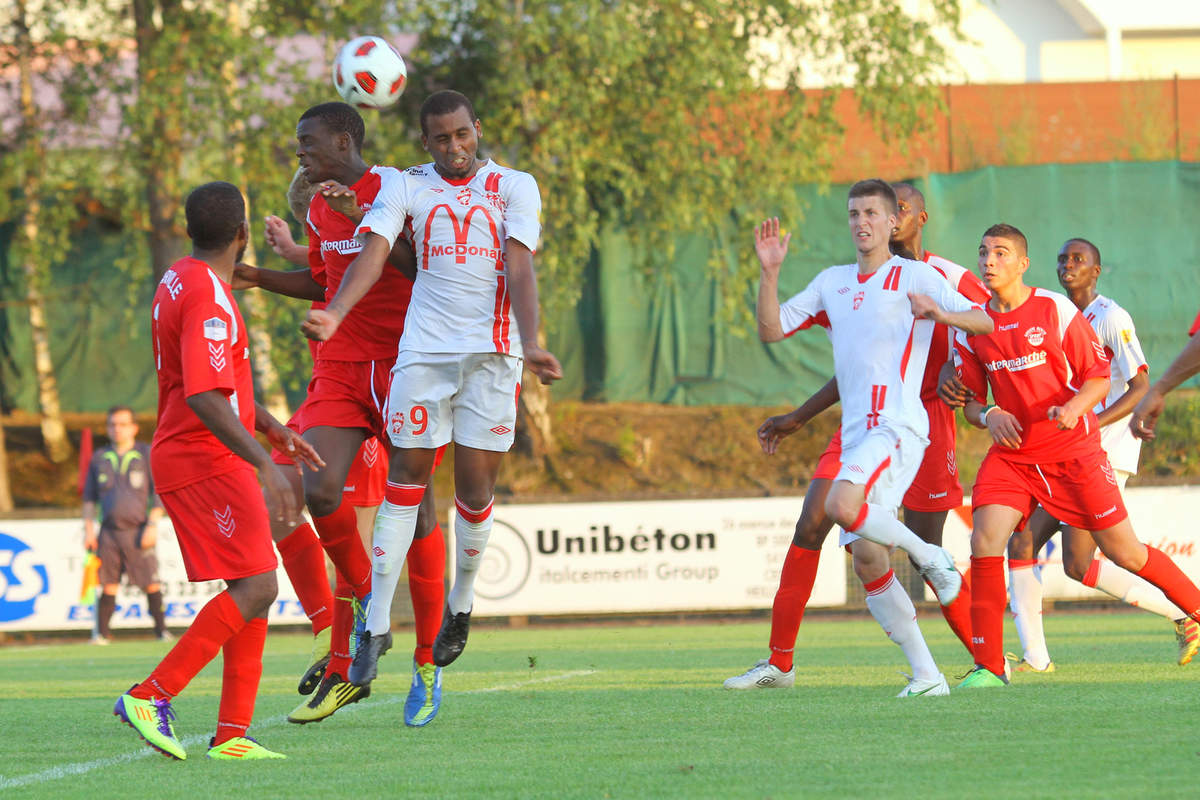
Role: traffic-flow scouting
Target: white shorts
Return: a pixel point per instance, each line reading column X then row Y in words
column 885, row 461
column 436, row 397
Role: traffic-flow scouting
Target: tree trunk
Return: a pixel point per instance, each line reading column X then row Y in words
column 535, row 402
column 6, row 501
column 54, row 433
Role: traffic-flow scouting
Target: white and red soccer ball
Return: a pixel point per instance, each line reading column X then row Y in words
column 369, row 73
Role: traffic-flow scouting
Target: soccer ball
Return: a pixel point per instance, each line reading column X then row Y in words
column 369, row 73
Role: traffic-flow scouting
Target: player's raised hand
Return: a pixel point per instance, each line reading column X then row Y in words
column 341, row 199
column 1004, row 428
column 1067, row 419
column 923, row 306
column 320, row 325
column 771, row 432
column 769, row 245
column 244, row 277
column 278, row 235
column 542, row 363
column 1146, row 414
column 287, row 441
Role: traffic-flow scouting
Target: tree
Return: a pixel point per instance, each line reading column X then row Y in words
column 655, row 117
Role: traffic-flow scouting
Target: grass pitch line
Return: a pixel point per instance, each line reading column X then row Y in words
column 84, row 767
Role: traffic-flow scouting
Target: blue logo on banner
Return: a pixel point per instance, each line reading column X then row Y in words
column 21, row 580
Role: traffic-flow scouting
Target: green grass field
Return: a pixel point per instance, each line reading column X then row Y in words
column 638, row 711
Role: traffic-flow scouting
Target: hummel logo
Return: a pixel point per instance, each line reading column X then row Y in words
column 216, row 356
column 370, row 452
column 225, row 522
column 1104, row 514
column 500, row 430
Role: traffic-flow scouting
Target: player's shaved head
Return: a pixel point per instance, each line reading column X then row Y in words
column 446, row 101
column 875, row 187
column 1002, row 230
column 910, row 193
column 1095, row 250
column 215, row 213
column 339, row 118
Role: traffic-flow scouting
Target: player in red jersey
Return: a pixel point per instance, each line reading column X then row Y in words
column 1047, row 371
column 344, row 407
column 203, row 458
column 894, row 415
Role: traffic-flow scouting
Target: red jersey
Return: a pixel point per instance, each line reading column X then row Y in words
column 371, row 331
column 1038, row 356
column 200, row 344
column 968, row 285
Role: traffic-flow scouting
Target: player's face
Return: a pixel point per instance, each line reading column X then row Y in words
column 320, row 151
column 1077, row 267
column 910, row 217
column 121, row 429
column 1001, row 263
column 452, row 140
column 870, row 223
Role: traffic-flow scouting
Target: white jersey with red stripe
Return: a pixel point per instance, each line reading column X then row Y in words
column 459, row 228
column 879, row 347
column 1114, row 327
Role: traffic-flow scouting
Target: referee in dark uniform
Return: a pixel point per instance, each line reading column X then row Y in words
column 119, row 481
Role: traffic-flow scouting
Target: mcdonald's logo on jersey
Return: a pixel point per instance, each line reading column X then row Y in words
column 462, row 234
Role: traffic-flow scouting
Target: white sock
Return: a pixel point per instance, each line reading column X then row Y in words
column 1123, row 585
column 893, row 609
column 471, row 531
column 395, row 527
column 882, row 527
column 1025, row 600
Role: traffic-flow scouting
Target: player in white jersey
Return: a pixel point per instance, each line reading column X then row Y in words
column 473, row 317
column 879, row 314
column 1079, row 270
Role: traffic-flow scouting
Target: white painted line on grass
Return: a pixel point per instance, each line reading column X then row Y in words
column 84, row 767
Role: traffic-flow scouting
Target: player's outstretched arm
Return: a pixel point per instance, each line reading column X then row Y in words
column 279, row 238
column 771, row 432
column 1090, row 393
column 286, row 440
column 974, row 321
column 1147, row 412
column 522, row 283
column 213, row 409
column 770, row 249
column 1139, row 384
column 296, row 283
column 360, row 276
column 403, row 258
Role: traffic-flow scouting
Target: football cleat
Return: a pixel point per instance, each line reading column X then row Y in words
column 943, row 576
column 763, row 675
column 452, row 638
column 922, row 688
column 425, row 695
column 981, row 678
column 335, row 693
column 152, row 721
column 365, row 665
column 1023, row 665
column 359, row 608
column 240, row 748
column 1187, row 633
column 317, row 661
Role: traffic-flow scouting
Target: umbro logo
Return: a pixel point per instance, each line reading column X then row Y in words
column 378, row 551
column 500, row 430
column 471, row 551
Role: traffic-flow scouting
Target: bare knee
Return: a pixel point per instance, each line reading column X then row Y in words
column 871, row 561
column 254, row 594
column 843, row 508
column 811, row 530
column 323, row 497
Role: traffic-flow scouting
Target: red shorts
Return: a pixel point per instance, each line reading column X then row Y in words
column 936, row 487
column 830, row 462
column 1080, row 492
column 346, row 394
column 368, row 475
column 222, row 527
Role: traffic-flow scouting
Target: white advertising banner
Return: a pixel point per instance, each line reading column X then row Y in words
column 41, row 574
column 681, row 555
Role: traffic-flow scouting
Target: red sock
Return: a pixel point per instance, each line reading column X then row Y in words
column 343, row 624
column 304, row 562
column 239, row 684
column 1093, row 573
column 427, row 587
column 988, row 599
column 1163, row 573
column 795, row 587
column 217, row 623
column 958, row 613
column 339, row 537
